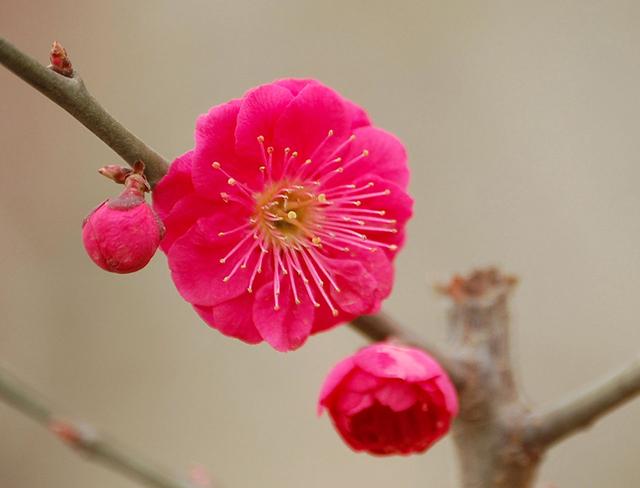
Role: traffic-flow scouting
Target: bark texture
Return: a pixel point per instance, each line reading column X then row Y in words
column 489, row 431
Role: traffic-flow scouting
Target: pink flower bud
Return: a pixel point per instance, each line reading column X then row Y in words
column 122, row 234
column 388, row 399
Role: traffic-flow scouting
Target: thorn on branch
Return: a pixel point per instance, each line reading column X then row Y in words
column 60, row 62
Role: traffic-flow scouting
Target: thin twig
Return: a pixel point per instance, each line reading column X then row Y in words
column 83, row 438
column 381, row 327
column 71, row 94
column 580, row 410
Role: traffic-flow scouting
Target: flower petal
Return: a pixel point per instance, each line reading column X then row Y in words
column 378, row 266
column 361, row 292
column 175, row 185
column 361, row 381
column 443, row 385
column 260, row 109
column 294, row 85
column 333, row 379
column 352, row 402
column 324, row 319
column 307, row 120
column 343, row 426
column 285, row 329
column 195, row 265
column 387, row 157
column 357, row 293
column 397, row 395
column 215, row 136
column 359, row 117
column 390, row 361
column 233, row 318
column 183, row 215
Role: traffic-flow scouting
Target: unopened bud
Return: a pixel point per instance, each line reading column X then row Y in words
column 60, row 62
column 122, row 234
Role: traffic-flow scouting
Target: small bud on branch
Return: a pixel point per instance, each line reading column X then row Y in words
column 131, row 178
column 65, row 432
column 60, row 62
column 115, row 172
column 78, row 436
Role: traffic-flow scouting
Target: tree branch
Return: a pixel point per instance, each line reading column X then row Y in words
column 71, row 94
column 381, row 327
column 82, row 437
column 583, row 408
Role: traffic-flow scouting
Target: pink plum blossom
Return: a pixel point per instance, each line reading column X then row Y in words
column 389, row 399
column 285, row 218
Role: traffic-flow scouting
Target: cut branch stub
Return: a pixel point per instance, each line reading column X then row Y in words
column 479, row 330
column 480, row 286
column 489, row 429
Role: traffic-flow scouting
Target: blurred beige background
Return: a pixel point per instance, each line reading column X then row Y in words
column 522, row 122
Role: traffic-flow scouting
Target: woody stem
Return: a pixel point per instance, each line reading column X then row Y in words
column 71, row 94
column 579, row 410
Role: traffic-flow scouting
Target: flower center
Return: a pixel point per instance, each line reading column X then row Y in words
column 286, row 212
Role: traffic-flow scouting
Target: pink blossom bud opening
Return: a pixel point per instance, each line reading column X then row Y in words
column 388, row 399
